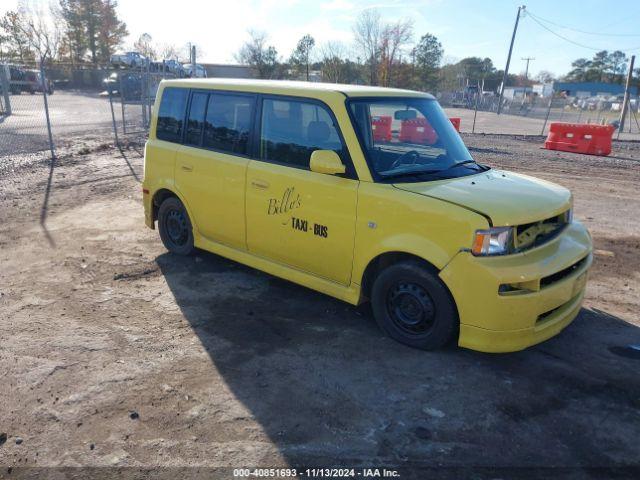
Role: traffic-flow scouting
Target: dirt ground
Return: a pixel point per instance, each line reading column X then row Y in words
column 115, row 353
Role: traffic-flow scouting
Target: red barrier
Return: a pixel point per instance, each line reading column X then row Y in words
column 417, row 130
column 381, row 127
column 456, row 123
column 580, row 138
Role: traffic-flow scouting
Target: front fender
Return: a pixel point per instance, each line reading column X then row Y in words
column 391, row 220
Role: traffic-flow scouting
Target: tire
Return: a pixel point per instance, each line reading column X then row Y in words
column 412, row 305
column 175, row 227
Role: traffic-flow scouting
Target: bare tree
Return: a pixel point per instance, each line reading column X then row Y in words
column 367, row 32
column 256, row 53
column 144, row 45
column 332, row 59
column 169, row 51
column 393, row 39
column 40, row 30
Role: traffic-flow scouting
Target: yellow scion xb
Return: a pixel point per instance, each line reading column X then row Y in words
column 365, row 194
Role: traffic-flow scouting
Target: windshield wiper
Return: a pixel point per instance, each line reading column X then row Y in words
column 406, row 173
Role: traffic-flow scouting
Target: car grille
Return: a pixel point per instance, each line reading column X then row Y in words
column 556, row 277
column 531, row 235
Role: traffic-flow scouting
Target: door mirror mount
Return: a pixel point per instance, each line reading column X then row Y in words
column 326, row 161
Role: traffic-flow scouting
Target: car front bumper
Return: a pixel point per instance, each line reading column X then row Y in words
column 546, row 286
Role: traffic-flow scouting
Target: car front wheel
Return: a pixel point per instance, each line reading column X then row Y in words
column 412, row 305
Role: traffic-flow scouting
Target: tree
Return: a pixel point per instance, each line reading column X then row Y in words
column 262, row 58
column 427, row 55
column 111, row 31
column 169, row 51
column 93, row 26
column 300, row 58
column 74, row 28
column 32, row 32
column 580, row 68
column 366, row 32
column 144, row 45
column 618, row 65
column 15, row 43
column 544, row 76
column 332, row 61
column 336, row 66
column 603, row 67
column 393, row 39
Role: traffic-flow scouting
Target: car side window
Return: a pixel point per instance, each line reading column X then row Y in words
column 292, row 130
column 195, row 121
column 171, row 114
column 228, row 122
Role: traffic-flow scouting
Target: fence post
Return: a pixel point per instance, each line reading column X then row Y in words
column 124, row 123
column 475, row 113
column 46, row 108
column 546, row 119
column 6, row 85
column 113, row 117
column 143, row 103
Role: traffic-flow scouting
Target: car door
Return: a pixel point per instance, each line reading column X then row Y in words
column 211, row 166
column 295, row 216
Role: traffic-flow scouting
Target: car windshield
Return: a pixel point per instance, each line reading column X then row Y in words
column 410, row 140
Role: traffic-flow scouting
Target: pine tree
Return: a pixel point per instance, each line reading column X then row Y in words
column 93, row 27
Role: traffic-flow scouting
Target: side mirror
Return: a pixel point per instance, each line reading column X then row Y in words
column 326, row 161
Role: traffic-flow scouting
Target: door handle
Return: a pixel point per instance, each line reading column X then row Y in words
column 186, row 168
column 260, row 184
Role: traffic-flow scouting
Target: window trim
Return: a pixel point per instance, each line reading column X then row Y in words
column 206, row 108
column 350, row 168
column 252, row 126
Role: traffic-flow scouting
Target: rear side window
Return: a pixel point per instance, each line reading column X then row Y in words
column 292, row 130
column 227, row 123
column 196, row 118
column 171, row 114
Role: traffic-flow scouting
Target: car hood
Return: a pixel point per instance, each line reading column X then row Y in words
column 507, row 198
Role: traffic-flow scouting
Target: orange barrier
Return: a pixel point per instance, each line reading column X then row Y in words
column 381, row 127
column 417, row 130
column 580, row 138
column 456, row 123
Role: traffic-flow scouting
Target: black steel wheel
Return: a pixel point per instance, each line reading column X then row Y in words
column 175, row 227
column 412, row 305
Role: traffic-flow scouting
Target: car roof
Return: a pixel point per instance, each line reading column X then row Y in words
column 296, row 88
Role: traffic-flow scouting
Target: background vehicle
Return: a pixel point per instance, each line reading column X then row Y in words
column 175, row 67
column 131, row 84
column 129, row 59
column 35, row 82
column 201, row 72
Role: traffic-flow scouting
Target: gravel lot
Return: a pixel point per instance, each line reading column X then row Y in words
column 116, row 353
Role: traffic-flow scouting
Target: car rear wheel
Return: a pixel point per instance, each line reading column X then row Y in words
column 175, row 227
column 412, row 305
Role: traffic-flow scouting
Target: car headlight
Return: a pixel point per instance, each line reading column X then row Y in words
column 493, row 241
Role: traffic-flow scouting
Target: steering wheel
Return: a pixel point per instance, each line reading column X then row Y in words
column 401, row 159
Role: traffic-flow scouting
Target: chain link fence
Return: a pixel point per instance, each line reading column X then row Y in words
column 532, row 115
column 64, row 109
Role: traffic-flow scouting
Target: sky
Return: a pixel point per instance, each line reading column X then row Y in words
column 464, row 27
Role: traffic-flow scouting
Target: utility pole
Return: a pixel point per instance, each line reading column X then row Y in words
column 506, row 68
column 194, row 73
column 625, row 102
column 526, row 71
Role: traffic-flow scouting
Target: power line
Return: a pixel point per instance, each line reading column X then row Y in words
column 572, row 41
column 584, row 31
